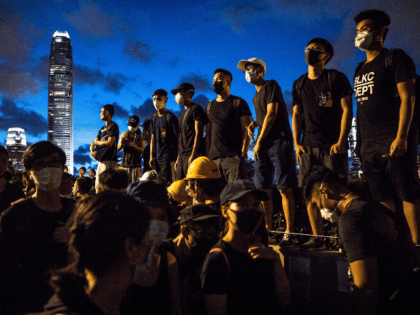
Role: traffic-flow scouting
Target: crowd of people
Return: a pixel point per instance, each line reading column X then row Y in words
column 177, row 228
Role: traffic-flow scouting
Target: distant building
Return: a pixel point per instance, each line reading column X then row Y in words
column 60, row 95
column 354, row 161
column 16, row 146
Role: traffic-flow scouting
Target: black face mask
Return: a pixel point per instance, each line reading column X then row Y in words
column 312, row 57
column 218, row 87
column 247, row 221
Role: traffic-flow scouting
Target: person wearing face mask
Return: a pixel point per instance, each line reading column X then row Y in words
column 322, row 114
column 191, row 124
column 387, row 135
column 164, row 130
column 156, row 285
column 273, row 150
column 34, row 233
column 227, row 140
column 376, row 243
column 132, row 145
column 240, row 275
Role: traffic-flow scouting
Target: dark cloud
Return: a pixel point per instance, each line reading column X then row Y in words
column 201, row 83
column 201, row 100
column 113, row 83
column 174, row 62
column 14, row 116
column 82, row 155
column 288, row 99
column 15, row 82
column 145, row 110
column 119, row 111
column 139, row 50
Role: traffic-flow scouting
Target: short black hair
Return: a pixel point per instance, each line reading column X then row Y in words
column 114, row 179
column 224, row 72
column 379, row 18
column 85, row 183
column 327, row 45
column 4, row 150
column 39, row 150
column 161, row 92
column 317, row 176
column 109, row 108
column 92, row 170
column 83, row 168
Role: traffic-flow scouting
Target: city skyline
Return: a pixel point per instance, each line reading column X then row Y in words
column 123, row 51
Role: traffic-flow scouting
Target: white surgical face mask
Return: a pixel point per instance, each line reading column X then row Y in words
column 133, row 129
column 251, row 76
column 158, row 231
column 179, row 99
column 159, row 104
column 47, row 179
column 363, row 40
column 329, row 215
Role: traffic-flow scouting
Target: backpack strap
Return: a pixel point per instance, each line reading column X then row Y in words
column 299, row 85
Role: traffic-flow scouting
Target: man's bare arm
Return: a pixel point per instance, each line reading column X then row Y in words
column 245, row 122
column 297, row 130
column 346, row 117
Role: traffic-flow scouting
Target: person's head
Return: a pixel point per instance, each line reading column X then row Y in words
column 160, row 97
column 66, row 169
column 200, row 227
column 82, row 171
column 177, row 191
column 112, row 179
column 92, row 173
column 82, row 186
column 372, row 26
column 152, row 175
column 45, row 162
column 322, row 186
column 253, row 68
column 109, row 233
column 66, row 185
column 4, row 160
column 318, row 51
column 241, row 206
column 184, row 92
column 107, row 112
column 133, row 123
column 222, row 80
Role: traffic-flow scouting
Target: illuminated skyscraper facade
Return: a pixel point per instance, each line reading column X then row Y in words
column 60, row 95
column 16, row 146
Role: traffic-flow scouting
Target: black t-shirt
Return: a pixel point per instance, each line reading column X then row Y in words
column 10, row 194
column 322, row 111
column 72, row 306
column 28, row 251
column 248, row 283
column 270, row 92
column 366, row 231
column 164, row 130
column 226, row 130
column 187, row 128
column 110, row 130
column 378, row 110
column 132, row 157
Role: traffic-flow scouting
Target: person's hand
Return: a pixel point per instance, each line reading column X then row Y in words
column 152, row 163
column 398, row 147
column 257, row 150
column 299, row 150
column 95, row 142
column 260, row 251
column 95, row 155
column 251, row 128
column 62, row 235
column 338, row 148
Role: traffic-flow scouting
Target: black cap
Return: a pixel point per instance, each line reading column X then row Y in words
column 183, row 87
column 239, row 188
column 133, row 121
column 149, row 192
column 160, row 92
column 197, row 213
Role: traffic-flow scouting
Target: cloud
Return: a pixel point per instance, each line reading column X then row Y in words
column 119, row 111
column 288, row 99
column 201, row 100
column 145, row 110
column 139, row 50
column 174, row 62
column 82, row 155
column 15, row 82
column 200, row 83
column 113, row 83
column 14, row 116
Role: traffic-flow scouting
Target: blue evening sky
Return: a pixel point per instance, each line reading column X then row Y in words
column 124, row 50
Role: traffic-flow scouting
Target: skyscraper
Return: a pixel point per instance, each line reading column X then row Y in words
column 16, row 146
column 60, row 95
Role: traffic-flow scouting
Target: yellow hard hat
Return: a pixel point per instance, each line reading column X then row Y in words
column 203, row 168
column 178, row 192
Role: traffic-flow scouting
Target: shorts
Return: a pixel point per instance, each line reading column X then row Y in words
column 232, row 168
column 339, row 163
column 277, row 159
column 390, row 177
column 102, row 166
column 134, row 173
column 182, row 167
column 167, row 172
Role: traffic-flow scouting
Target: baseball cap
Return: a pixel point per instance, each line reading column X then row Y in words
column 197, row 213
column 149, row 192
column 239, row 188
column 242, row 63
column 133, row 121
column 183, row 87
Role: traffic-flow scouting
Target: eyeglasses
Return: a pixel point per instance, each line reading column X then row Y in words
column 316, row 48
column 39, row 165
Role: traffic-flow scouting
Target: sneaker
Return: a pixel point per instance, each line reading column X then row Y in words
column 287, row 240
column 315, row 243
